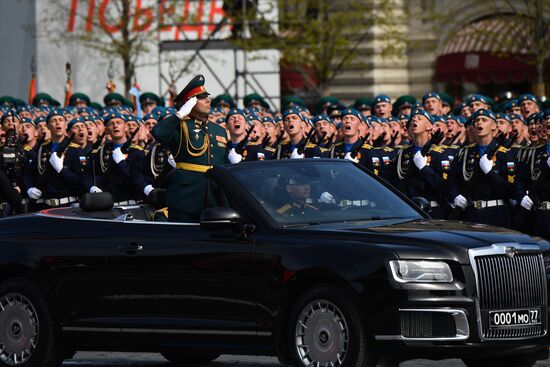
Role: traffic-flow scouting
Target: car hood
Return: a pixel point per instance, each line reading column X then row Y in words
column 425, row 238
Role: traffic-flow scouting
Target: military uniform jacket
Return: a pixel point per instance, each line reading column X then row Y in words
column 157, row 170
column 66, row 183
column 339, row 151
column 379, row 161
column 532, row 167
column 292, row 209
column 196, row 146
column 310, row 150
column 429, row 182
column 249, row 151
column 498, row 184
column 125, row 180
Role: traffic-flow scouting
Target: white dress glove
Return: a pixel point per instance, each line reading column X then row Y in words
column 118, row 156
column 327, row 198
column 234, row 157
column 185, row 110
column 350, row 158
column 34, row 193
column 486, row 164
column 295, row 155
column 147, row 189
column 461, row 202
column 419, row 160
column 95, row 190
column 548, row 162
column 56, row 162
column 526, row 202
column 171, row 161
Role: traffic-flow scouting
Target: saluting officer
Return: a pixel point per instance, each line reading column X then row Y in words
column 493, row 179
column 197, row 144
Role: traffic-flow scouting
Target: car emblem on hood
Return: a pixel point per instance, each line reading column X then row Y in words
column 510, row 251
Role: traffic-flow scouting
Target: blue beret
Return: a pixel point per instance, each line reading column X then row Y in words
column 483, row 112
column 150, row 116
column 380, row 98
column 545, row 113
column 382, row 120
column 39, row 120
column 443, row 119
column 503, row 116
column 527, row 97
column 393, row 119
column 220, row 121
column 55, row 112
column 515, row 116
column 267, row 120
column 352, row 112
column 321, row 117
column 291, row 111
column 477, row 98
column 510, row 104
column 236, row 111
column 75, row 121
column 10, row 113
column 373, row 118
column 461, row 120
column 23, row 108
column 26, row 120
column 111, row 116
column 278, row 118
column 131, row 118
column 404, row 117
column 430, row 95
column 421, row 112
column 89, row 119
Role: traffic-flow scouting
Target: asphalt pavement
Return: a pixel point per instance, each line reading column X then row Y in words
column 109, row 359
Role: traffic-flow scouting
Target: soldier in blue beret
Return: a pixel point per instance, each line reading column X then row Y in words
column 477, row 101
column 512, row 107
column 242, row 148
column 381, row 106
column 422, row 171
column 456, row 133
column 10, row 120
column 197, row 144
column 504, row 125
column 520, row 129
column 325, row 131
column 440, row 124
column 117, row 166
column 488, row 199
column 297, row 146
column 528, row 105
column 432, row 103
column 25, row 111
column 273, row 139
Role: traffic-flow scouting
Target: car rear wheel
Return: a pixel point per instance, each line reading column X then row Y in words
column 191, row 358
column 327, row 330
column 27, row 335
column 507, row 361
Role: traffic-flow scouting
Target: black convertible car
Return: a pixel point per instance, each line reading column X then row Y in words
column 314, row 261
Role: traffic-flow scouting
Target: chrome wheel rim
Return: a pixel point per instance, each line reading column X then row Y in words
column 18, row 329
column 322, row 335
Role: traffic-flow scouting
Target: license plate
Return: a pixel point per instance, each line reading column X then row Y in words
column 514, row 318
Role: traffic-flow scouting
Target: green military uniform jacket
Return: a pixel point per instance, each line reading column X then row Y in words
column 196, row 147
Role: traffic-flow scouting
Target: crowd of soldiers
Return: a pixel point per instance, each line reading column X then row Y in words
column 472, row 160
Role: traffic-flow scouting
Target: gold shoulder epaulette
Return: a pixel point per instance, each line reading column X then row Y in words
column 74, row 145
column 252, row 143
column 284, row 208
column 503, row 149
column 135, row 146
column 472, row 145
column 270, row 149
column 310, row 145
column 27, row 148
column 338, row 144
column 366, row 146
column 437, row 148
column 388, row 149
column 311, row 207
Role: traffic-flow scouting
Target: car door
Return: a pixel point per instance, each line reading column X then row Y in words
column 180, row 285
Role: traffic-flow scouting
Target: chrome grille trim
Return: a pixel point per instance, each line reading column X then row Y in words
column 504, row 282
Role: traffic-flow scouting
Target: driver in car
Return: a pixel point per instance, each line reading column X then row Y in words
column 299, row 191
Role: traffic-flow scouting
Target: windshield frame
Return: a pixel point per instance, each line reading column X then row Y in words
column 256, row 210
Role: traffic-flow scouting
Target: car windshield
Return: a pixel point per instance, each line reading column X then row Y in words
column 315, row 192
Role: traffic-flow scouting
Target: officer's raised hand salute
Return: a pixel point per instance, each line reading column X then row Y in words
column 196, row 145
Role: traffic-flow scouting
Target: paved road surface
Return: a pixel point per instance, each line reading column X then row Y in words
column 107, row 359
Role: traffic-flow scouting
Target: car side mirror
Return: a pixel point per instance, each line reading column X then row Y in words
column 220, row 218
column 422, row 203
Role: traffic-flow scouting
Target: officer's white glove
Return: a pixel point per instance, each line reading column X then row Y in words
column 295, row 155
column 526, row 202
column 350, row 158
column 95, row 190
column 56, row 162
column 147, row 190
column 34, row 193
column 185, row 110
column 419, row 160
column 486, row 164
column 118, row 156
column 171, row 161
column 461, row 202
column 327, row 198
column 234, row 157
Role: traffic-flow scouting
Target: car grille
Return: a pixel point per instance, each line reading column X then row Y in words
column 427, row 325
column 511, row 282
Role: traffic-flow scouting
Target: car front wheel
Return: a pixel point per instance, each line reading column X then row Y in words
column 327, row 330
column 27, row 335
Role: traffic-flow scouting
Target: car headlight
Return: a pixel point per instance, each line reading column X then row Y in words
column 419, row 271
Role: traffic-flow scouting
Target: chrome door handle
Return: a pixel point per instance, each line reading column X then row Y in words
column 131, row 248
